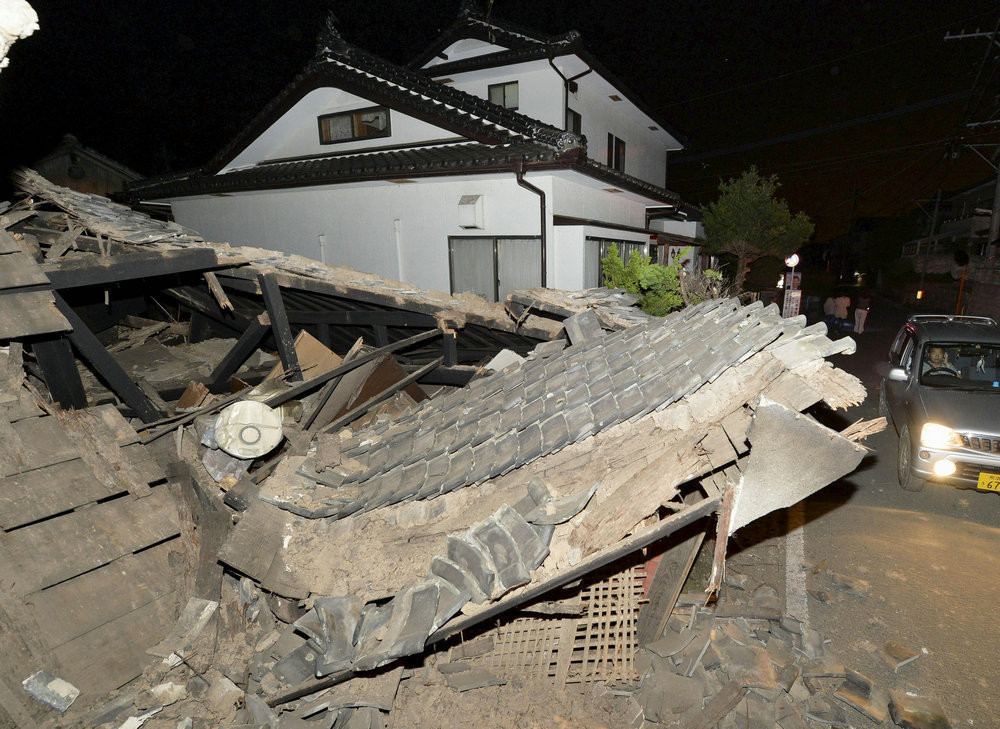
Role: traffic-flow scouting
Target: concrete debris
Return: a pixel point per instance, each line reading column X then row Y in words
column 473, row 678
column 912, row 711
column 896, row 656
column 51, row 690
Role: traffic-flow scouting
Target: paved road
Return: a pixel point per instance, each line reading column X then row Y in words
column 931, row 561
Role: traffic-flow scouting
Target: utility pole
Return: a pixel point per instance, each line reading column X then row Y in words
column 930, row 235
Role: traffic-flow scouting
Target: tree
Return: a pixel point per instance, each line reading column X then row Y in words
column 662, row 288
column 749, row 223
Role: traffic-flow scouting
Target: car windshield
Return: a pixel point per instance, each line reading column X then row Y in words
column 958, row 365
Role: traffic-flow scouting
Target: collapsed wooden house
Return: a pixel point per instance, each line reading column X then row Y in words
column 412, row 497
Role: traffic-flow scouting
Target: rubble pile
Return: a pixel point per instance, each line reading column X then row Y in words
column 305, row 544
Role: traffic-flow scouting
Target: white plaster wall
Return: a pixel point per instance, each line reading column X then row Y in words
column 539, row 88
column 358, row 222
column 570, row 250
column 296, row 132
column 690, row 228
column 567, row 248
column 582, row 201
column 465, row 48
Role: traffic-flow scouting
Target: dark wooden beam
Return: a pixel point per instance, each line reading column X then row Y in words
column 200, row 301
column 105, row 366
column 450, row 344
column 169, row 424
column 236, row 356
column 58, row 366
column 97, row 270
column 279, row 326
column 363, row 318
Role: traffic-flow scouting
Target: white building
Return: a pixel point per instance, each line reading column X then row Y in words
column 499, row 159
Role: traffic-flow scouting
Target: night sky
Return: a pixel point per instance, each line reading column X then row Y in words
column 854, row 105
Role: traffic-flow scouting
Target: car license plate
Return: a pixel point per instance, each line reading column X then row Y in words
column 989, row 482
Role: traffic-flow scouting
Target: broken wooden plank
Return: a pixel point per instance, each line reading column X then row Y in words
column 667, row 582
column 29, row 313
column 75, row 607
column 64, row 242
column 46, row 553
column 109, row 656
column 365, row 405
column 98, row 449
column 19, row 269
column 215, row 288
column 253, row 542
column 48, row 491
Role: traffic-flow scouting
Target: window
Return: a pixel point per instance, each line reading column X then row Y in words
column 616, row 153
column 348, row 126
column 493, row 267
column 574, row 122
column 504, row 94
column 597, row 248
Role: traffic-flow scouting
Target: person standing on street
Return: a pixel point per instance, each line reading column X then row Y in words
column 829, row 308
column 861, row 312
column 842, row 310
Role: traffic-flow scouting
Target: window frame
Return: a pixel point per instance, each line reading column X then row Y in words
column 503, row 94
column 496, row 241
column 616, row 153
column 574, row 116
column 354, row 114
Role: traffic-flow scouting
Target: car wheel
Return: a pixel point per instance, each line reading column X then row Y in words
column 883, row 404
column 907, row 479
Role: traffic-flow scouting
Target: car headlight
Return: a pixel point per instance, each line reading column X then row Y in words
column 933, row 435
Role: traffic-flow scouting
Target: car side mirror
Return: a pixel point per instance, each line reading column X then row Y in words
column 897, row 374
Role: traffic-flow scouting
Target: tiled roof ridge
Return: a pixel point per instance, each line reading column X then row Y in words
column 473, row 20
column 444, row 159
column 332, row 48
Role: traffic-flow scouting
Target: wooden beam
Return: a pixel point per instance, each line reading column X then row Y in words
column 58, row 366
column 236, row 356
column 200, row 301
column 217, row 291
column 279, row 326
column 105, row 366
column 450, row 344
column 363, row 318
column 97, row 270
column 170, row 424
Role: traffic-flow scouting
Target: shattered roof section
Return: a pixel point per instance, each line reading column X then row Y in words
column 103, row 216
column 615, row 308
column 504, row 421
column 123, row 224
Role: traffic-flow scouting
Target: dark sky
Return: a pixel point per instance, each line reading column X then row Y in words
column 850, row 103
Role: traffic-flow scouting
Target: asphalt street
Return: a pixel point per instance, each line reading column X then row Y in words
column 927, row 561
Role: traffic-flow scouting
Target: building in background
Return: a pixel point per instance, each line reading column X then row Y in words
column 498, row 159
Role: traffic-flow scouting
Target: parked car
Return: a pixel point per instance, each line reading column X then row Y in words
column 941, row 391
